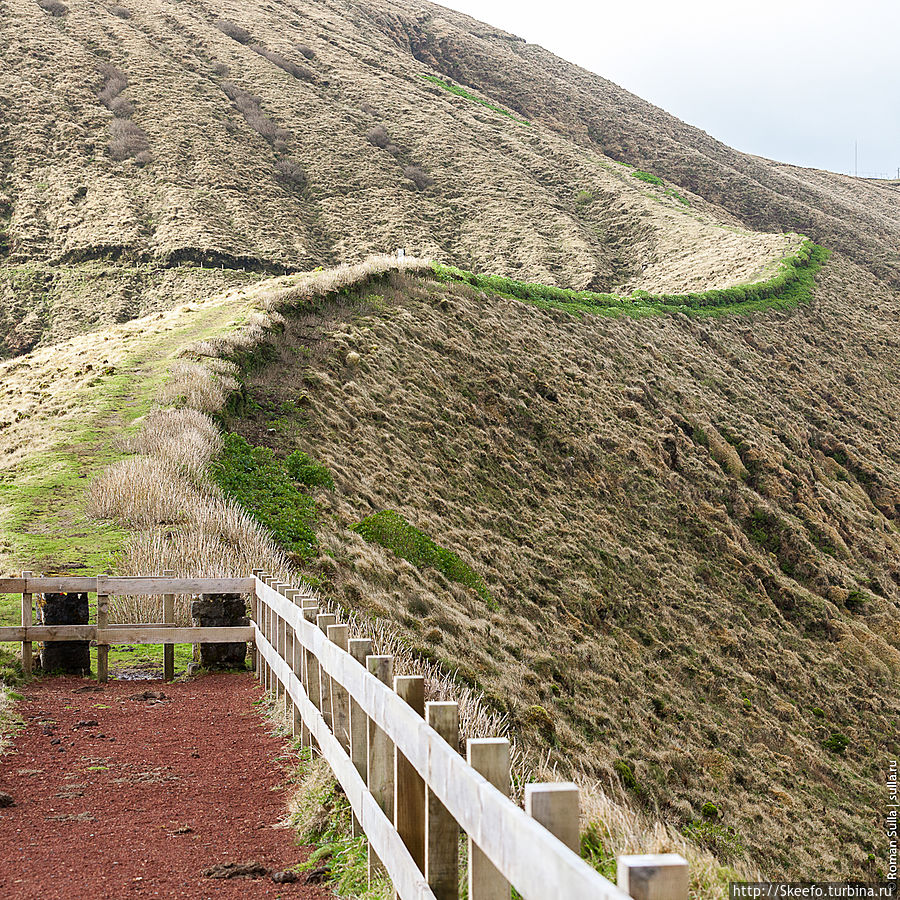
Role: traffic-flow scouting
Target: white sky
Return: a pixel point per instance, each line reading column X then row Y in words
column 793, row 80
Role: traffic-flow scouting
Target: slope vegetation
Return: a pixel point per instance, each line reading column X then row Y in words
column 683, row 534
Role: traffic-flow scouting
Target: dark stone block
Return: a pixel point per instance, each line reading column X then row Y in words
column 218, row 611
column 71, row 657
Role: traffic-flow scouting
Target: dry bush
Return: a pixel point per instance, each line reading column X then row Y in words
column 249, row 106
column 290, row 170
column 195, row 386
column 54, row 7
column 418, row 176
column 114, row 82
column 121, row 108
column 139, row 491
column 299, row 72
column 379, row 136
column 127, row 140
column 306, row 52
column 185, row 438
column 234, row 31
column 120, row 12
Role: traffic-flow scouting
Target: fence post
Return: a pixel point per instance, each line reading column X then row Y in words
column 257, row 618
column 254, row 615
column 441, row 830
column 488, row 757
column 168, row 619
column 380, row 768
column 102, row 622
column 293, row 658
column 27, row 621
column 360, row 648
column 323, row 620
column 409, row 787
column 340, row 711
column 306, row 738
column 556, row 807
column 661, row 876
column 280, row 641
column 311, row 664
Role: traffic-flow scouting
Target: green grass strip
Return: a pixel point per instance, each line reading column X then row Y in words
column 793, row 284
column 462, row 92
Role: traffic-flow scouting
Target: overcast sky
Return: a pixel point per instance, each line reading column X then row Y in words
column 793, row 80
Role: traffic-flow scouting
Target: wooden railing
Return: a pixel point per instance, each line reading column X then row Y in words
column 410, row 790
column 106, row 586
column 395, row 756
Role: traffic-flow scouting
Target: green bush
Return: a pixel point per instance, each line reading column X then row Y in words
column 722, row 840
column 626, row 773
column 836, row 742
column 309, row 473
column 256, row 479
column 392, row 531
column 709, row 810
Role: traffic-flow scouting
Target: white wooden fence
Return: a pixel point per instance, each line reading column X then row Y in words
column 411, row 791
column 395, row 756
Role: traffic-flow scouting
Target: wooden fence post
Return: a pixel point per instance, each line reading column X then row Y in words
column 306, row 737
column 488, row 757
column 340, row 710
column 441, row 830
column 168, row 619
column 257, row 618
column 409, row 787
column 254, row 616
column 294, row 660
column 311, row 665
column 380, row 768
column 360, row 648
column 280, row 641
column 27, row 620
column 660, row 876
column 102, row 622
column 323, row 620
column 556, row 807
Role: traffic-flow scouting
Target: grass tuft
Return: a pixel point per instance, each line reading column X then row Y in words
column 462, row 92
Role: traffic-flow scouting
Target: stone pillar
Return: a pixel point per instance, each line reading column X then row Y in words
column 216, row 611
column 70, row 657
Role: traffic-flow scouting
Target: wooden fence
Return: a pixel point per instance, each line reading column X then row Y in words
column 396, row 757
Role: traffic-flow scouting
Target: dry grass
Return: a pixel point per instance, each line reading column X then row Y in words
column 187, row 439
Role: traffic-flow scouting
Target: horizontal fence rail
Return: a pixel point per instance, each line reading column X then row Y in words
column 106, row 634
column 298, row 658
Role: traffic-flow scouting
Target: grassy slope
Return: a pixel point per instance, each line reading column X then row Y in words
column 688, row 527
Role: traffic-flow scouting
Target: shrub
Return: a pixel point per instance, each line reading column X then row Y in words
column 418, row 176
column 583, row 198
column 120, row 12
column 312, row 474
column 538, row 717
column 626, row 773
column 393, row 532
column 300, row 72
column 259, row 482
column 127, row 140
column 305, row 51
column 290, row 170
column 54, row 7
column 379, row 136
column 114, row 82
column 709, row 810
column 723, row 841
column 121, row 108
column 836, row 742
column 646, row 176
column 234, row 31
column 249, row 106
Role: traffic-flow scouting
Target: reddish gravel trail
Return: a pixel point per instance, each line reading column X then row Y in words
column 141, row 803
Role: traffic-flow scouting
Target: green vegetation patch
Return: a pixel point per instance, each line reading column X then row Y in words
column 270, row 491
column 792, row 285
column 648, row 177
column 462, row 92
column 392, row 531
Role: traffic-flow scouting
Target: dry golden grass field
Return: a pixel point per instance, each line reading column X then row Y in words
column 675, row 569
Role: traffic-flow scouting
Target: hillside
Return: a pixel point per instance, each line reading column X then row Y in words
column 183, row 147
column 673, row 554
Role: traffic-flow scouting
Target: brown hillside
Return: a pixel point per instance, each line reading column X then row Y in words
column 688, row 530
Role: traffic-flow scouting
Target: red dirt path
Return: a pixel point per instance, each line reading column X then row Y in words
column 97, row 816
